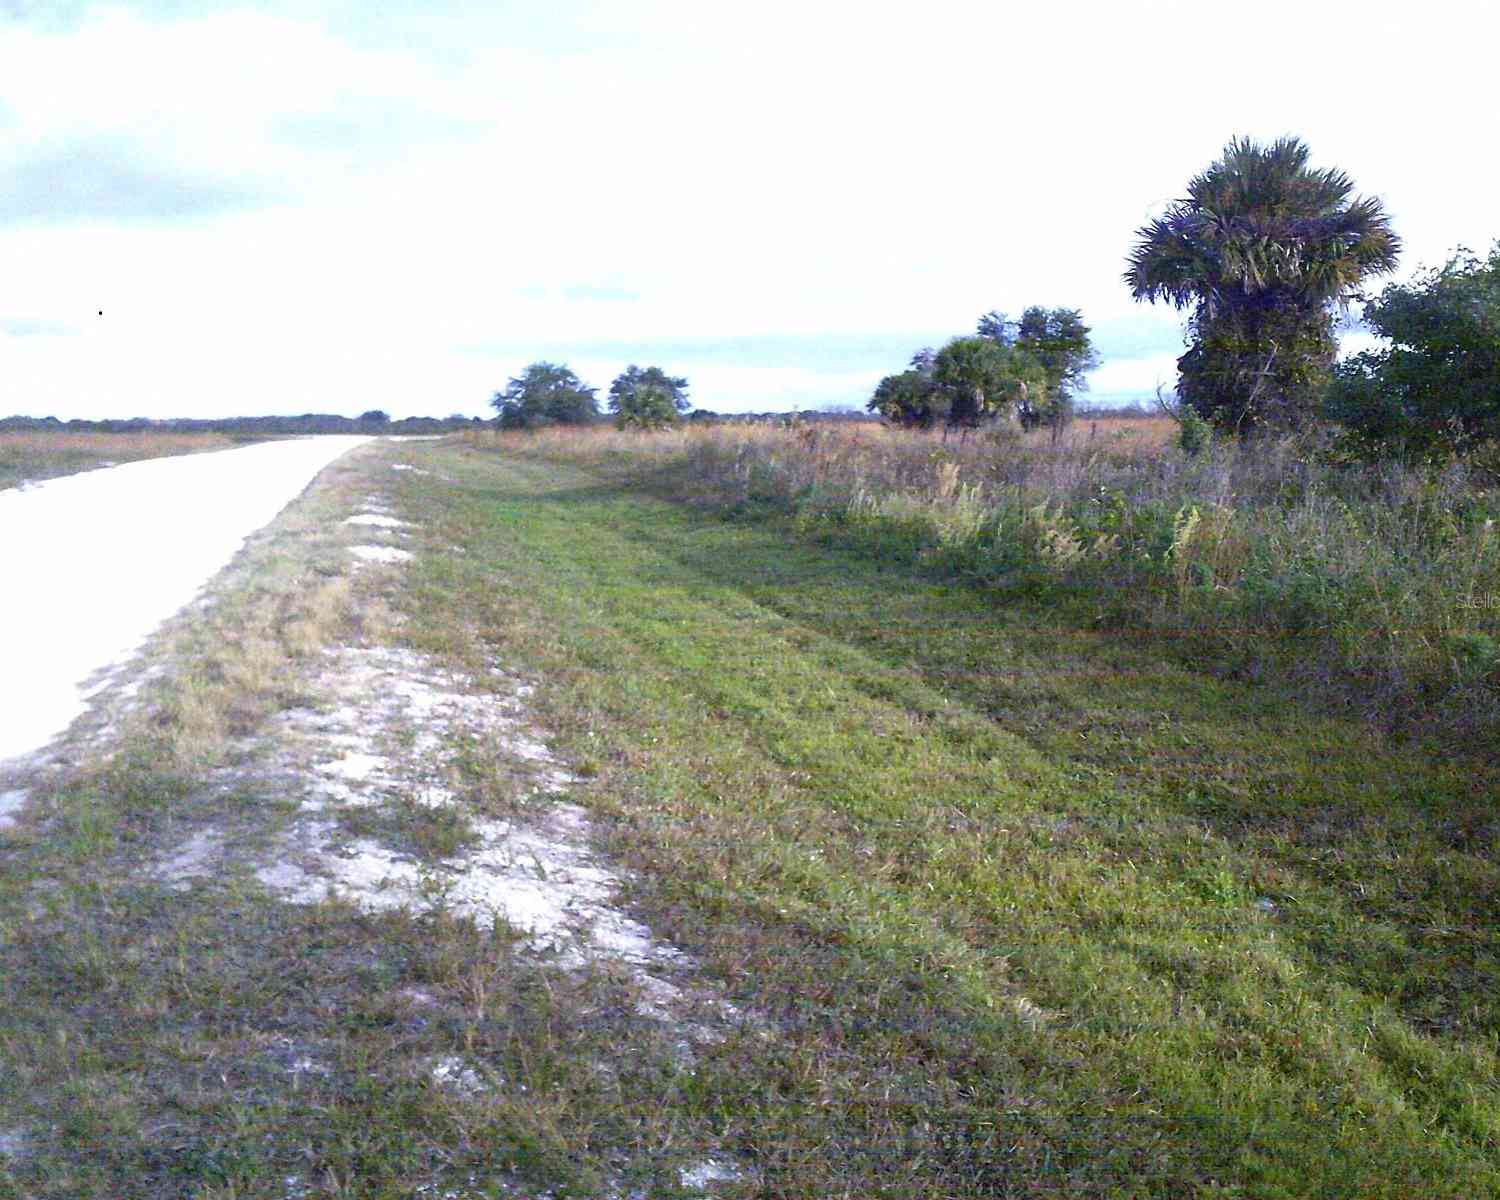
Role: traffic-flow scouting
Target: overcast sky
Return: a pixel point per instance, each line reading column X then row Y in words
column 285, row 207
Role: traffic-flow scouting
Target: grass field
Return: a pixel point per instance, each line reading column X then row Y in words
column 1067, row 914
column 1374, row 586
column 1018, row 906
column 31, row 457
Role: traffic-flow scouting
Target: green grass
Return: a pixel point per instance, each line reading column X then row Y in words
column 1371, row 585
column 1020, row 907
column 898, row 815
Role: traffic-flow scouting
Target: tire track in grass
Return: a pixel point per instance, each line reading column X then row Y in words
column 1166, row 975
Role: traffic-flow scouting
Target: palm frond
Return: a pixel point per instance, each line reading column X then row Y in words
column 1258, row 222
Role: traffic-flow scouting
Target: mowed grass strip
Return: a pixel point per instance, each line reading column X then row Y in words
column 1034, row 911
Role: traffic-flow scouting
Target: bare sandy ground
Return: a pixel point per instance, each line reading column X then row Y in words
column 370, row 753
column 92, row 563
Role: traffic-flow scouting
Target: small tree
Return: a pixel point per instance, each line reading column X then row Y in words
column 1058, row 342
column 981, row 379
column 544, row 394
column 648, row 407
column 1437, row 388
column 909, row 399
column 375, row 416
column 648, row 398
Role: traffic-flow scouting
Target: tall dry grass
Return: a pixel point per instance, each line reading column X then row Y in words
column 1378, row 582
column 33, row 455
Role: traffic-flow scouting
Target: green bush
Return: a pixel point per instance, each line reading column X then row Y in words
column 1194, row 434
column 647, row 398
column 1436, row 390
column 544, row 394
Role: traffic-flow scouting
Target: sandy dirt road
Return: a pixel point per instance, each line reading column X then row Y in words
column 90, row 564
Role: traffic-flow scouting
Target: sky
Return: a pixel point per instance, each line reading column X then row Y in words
column 210, row 209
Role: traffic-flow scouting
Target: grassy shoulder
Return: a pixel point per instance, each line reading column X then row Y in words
column 34, row 456
column 1375, row 587
column 174, row 1026
column 1036, row 907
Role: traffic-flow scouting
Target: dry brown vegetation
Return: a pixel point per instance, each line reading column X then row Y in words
column 26, row 457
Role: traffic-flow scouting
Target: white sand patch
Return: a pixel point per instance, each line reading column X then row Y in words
column 98, row 560
column 381, row 738
column 432, row 795
column 193, row 859
column 657, row 995
column 356, row 767
column 89, row 691
column 133, row 688
column 712, row 1170
column 377, row 520
column 421, row 471
column 391, row 713
column 453, row 1073
column 324, row 790
column 530, row 749
column 295, row 884
column 363, row 872
column 11, row 803
column 14, row 1143
column 537, row 881
column 380, row 554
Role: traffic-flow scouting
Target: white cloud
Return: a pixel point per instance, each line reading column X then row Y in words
column 450, row 174
column 1129, row 376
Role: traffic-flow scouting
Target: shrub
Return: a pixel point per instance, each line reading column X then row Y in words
column 1194, row 434
column 1436, row 390
column 647, row 398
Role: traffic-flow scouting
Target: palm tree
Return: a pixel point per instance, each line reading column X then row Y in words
column 981, row 380
column 1263, row 249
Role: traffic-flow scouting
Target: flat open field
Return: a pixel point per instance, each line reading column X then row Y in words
column 1153, row 431
column 889, row 880
column 31, row 457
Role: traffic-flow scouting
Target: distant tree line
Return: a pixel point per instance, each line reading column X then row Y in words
column 374, row 421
